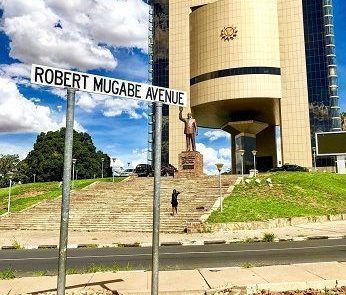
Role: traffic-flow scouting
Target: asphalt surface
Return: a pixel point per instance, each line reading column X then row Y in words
column 179, row 257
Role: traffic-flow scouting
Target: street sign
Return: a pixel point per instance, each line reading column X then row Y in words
column 72, row 81
column 49, row 76
column 331, row 143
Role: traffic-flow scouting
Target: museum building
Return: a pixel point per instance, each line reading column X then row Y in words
column 262, row 70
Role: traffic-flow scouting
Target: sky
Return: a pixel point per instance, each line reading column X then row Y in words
column 104, row 37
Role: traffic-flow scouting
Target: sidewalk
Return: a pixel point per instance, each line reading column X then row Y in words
column 33, row 239
column 203, row 281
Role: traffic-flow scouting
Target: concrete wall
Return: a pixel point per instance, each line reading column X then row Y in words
column 295, row 123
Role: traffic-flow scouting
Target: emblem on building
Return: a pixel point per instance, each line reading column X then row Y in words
column 228, row 33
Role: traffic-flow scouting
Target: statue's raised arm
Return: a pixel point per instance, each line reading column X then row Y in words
column 181, row 115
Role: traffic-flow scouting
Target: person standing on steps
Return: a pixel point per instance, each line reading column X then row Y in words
column 174, row 202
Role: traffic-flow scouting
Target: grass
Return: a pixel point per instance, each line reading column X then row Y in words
column 247, row 265
column 92, row 268
column 11, row 273
column 8, row 274
column 39, row 273
column 268, row 237
column 16, row 244
column 293, row 194
column 26, row 195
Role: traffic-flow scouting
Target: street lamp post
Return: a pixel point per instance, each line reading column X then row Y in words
column 102, row 160
column 73, row 166
column 114, row 159
column 34, row 177
column 10, row 175
column 76, row 174
column 254, row 152
column 314, row 153
column 219, row 167
column 241, row 152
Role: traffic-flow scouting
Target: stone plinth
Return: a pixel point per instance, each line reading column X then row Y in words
column 190, row 164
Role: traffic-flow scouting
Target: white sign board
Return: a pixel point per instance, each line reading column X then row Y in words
column 49, row 76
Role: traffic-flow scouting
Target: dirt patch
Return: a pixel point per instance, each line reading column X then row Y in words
column 29, row 194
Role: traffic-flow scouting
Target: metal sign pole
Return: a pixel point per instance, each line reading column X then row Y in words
column 9, row 196
column 156, row 201
column 65, row 203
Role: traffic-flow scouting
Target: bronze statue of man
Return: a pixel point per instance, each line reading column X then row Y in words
column 190, row 130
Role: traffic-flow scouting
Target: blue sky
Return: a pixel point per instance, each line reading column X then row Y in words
column 45, row 32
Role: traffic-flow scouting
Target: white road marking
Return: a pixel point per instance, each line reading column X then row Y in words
column 179, row 253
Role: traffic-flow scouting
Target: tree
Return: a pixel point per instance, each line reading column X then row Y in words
column 8, row 163
column 47, row 158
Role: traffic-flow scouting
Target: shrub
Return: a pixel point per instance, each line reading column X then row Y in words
column 268, row 237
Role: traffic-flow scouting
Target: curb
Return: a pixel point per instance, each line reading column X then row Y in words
column 170, row 244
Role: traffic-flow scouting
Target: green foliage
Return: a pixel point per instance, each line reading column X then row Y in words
column 72, row 271
column 247, row 265
column 92, row 268
column 47, row 157
column 268, row 237
column 8, row 274
column 40, row 273
column 292, row 194
column 16, row 244
column 8, row 163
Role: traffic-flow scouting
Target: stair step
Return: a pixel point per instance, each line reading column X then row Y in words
column 124, row 206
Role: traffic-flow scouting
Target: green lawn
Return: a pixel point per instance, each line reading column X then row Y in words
column 26, row 195
column 292, row 194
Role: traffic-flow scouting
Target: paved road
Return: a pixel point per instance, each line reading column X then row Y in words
column 180, row 257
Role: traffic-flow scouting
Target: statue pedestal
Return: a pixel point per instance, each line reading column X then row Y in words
column 190, row 164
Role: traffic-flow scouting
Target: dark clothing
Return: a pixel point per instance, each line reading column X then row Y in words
column 174, row 200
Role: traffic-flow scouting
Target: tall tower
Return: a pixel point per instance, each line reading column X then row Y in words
column 264, row 71
column 321, row 67
column 158, row 68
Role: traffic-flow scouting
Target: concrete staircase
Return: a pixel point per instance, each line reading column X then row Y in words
column 124, row 206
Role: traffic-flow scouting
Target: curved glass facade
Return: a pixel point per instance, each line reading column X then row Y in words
column 321, row 70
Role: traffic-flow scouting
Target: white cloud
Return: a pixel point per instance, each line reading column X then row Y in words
column 15, row 70
column 225, row 153
column 18, row 114
column 35, row 100
column 117, row 163
column 68, row 34
column 76, row 125
column 116, row 106
column 86, row 101
column 216, row 134
column 111, row 106
column 78, row 34
column 212, row 156
column 20, row 150
column 139, row 156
